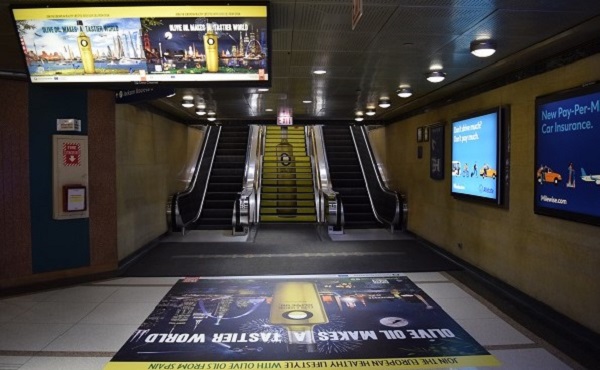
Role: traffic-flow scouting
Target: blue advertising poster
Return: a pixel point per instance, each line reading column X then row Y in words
column 567, row 173
column 367, row 321
column 475, row 156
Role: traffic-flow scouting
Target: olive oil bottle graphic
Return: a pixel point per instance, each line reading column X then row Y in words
column 286, row 176
column 85, row 50
column 297, row 306
column 211, row 49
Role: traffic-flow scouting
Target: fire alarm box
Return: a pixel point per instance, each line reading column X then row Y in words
column 70, row 190
column 74, row 198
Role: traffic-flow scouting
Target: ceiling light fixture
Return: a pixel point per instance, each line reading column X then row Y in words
column 211, row 113
column 200, row 112
column 211, row 118
column 171, row 94
column 306, row 101
column 483, row 48
column 263, row 89
column 319, row 71
column 359, row 118
column 370, row 112
column 404, row 92
column 269, row 110
column 384, row 103
column 187, row 103
column 436, row 76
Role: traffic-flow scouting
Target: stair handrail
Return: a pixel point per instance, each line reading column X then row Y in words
column 330, row 206
column 394, row 197
column 206, row 158
column 244, row 208
column 260, row 160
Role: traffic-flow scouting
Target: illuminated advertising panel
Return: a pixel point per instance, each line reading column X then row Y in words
column 149, row 44
column 476, row 152
column 567, row 166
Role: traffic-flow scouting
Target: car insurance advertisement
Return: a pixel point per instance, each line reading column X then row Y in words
column 367, row 321
column 567, row 172
column 475, row 156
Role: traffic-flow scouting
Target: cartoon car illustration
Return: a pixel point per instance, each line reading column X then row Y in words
column 486, row 171
column 545, row 174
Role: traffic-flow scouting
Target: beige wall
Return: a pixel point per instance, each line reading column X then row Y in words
column 552, row 260
column 152, row 163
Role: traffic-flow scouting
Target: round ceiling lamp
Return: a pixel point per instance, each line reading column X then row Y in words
column 384, row 103
column 483, row 48
column 436, row 76
column 404, row 92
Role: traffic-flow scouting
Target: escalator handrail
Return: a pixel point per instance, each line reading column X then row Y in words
column 180, row 223
column 244, row 208
column 394, row 221
column 327, row 196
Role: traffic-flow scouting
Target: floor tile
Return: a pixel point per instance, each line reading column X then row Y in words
column 92, row 338
column 139, row 294
column 13, row 362
column 533, row 358
column 493, row 331
column 443, row 290
column 120, row 313
column 29, row 337
column 426, row 276
column 11, row 309
column 140, row 281
column 55, row 313
column 465, row 308
column 83, row 293
column 65, row 363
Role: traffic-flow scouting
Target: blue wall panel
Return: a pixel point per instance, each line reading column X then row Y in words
column 56, row 244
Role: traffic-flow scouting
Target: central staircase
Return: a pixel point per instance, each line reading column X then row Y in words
column 287, row 194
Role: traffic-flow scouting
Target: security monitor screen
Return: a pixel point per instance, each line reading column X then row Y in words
column 567, row 165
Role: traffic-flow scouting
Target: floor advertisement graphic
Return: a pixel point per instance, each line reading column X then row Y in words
column 363, row 321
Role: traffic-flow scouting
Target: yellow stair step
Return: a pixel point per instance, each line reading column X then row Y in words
column 291, row 218
column 290, row 210
column 298, row 196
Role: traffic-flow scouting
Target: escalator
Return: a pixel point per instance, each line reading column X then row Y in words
column 225, row 181
column 347, row 178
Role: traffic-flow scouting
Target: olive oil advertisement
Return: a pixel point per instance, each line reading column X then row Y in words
column 381, row 321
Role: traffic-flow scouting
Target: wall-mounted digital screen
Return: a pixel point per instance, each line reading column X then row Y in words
column 476, row 151
column 146, row 44
column 567, row 165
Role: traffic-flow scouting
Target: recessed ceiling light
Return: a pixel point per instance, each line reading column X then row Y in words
column 263, row 90
column 269, row 110
column 436, row 76
column 319, row 71
column 187, row 97
column 171, row 95
column 211, row 118
column 200, row 112
column 370, row 112
column 187, row 103
column 359, row 118
column 483, row 48
column 211, row 113
column 306, row 101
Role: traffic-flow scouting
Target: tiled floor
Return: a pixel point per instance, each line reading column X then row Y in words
column 81, row 327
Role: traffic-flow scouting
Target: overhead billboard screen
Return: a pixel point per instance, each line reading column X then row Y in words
column 476, row 141
column 146, row 44
column 567, row 165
